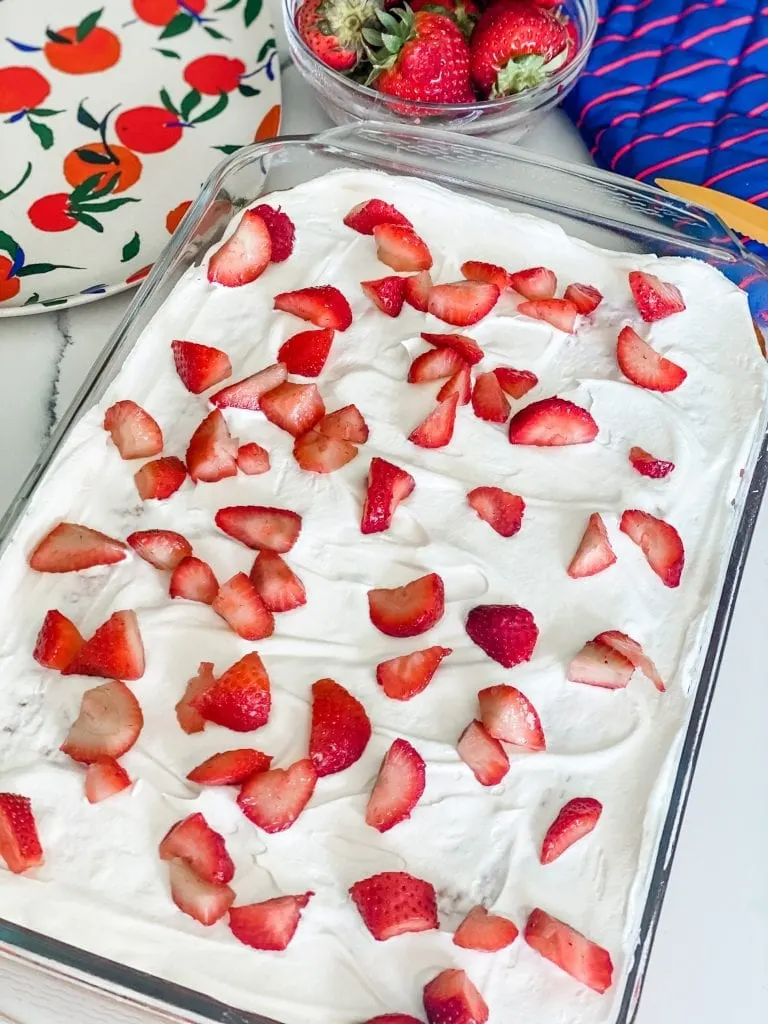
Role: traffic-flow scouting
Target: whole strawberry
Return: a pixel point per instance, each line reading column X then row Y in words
column 464, row 12
column 515, row 45
column 421, row 56
column 333, row 29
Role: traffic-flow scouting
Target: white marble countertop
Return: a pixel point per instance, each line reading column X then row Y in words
column 710, row 960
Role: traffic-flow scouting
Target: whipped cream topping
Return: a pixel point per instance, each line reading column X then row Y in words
column 103, row 887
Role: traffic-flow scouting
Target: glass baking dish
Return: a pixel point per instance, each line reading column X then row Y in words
column 601, row 208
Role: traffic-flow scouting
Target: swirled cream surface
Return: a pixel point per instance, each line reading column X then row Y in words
column 103, row 887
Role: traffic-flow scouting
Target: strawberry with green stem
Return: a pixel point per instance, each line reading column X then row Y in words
column 22, row 91
column 334, row 30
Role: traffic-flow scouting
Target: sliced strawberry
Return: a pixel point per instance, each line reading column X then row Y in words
column 393, row 903
column 277, row 584
column 508, row 715
column 245, row 255
column 252, row 459
column 416, row 290
column 645, row 367
column 488, row 400
column 230, row 768
column 386, row 487
column 575, row 820
column 194, row 580
column 462, row 303
column 19, row 842
column 268, row 925
column 502, row 510
column 436, row 430
column 534, row 283
column 238, row 602
column 408, row 610
column 345, row 424
column 293, row 407
column 464, row 346
column 190, row 719
column 660, row 543
column 633, row 652
column 403, row 677
column 366, row 216
column 273, row 800
column 246, row 393
column 585, row 297
column 322, row 305
column 160, row 478
column 393, row 1018
column 340, row 728
column 506, row 632
column 388, row 293
column 58, row 642
column 206, row 902
column 436, row 364
column 105, row 778
column 135, row 434
column 305, row 353
column 281, row 231
column 108, row 724
column 488, row 273
column 401, row 248
column 70, row 547
column 317, row 453
column 560, row 313
column 552, row 422
column 594, row 553
column 599, row 664
column 260, row 527
column 485, row 932
column 451, row 998
column 115, row 650
column 460, row 385
column 569, row 950
column 655, row 299
column 240, row 699
column 515, row 383
column 212, row 451
column 398, row 788
column 199, row 366
column 649, row 465
column 163, row 549
column 484, row 754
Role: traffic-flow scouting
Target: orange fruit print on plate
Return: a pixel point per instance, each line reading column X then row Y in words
column 100, row 163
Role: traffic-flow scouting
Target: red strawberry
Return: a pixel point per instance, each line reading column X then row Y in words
column 135, row 434
column 398, row 788
column 655, row 299
column 645, row 367
column 239, row 604
column 485, row 932
column 393, row 903
column 70, row 547
column 585, row 298
column 404, row 677
column 451, row 998
column 599, row 664
column 230, row 768
column 649, row 465
column 408, row 610
column 436, row 364
column 386, row 487
column 206, row 902
column 367, row 215
column 163, row 549
column 633, row 652
column 108, row 724
column 260, row 527
column 465, row 347
column 462, row 303
column 436, row 430
column 199, row 366
column 317, row 453
column 501, row 510
column 393, row 1018
column 194, row 580
column 306, row 352
column 340, row 728
column 401, row 248
column 575, row 820
column 333, row 30
column 660, row 543
column 416, row 290
column 515, row 383
column 252, row 459
column 269, row 925
column 346, row 424
column 484, row 754
column 569, row 950
column 558, row 312
column 534, row 283
column 594, row 552
column 240, row 699
column 58, row 642
column 508, row 715
column 388, row 293
column 189, row 717
column 460, row 384
column 322, row 305
column 246, row 393
column 160, row 478
column 552, row 422
column 212, row 451
column 19, row 843
column 273, row 800
column 282, row 231
column 279, row 587
column 115, row 650
column 245, row 255
column 488, row 400
column 506, row 632
column 105, row 778
column 293, row 407
column 515, row 46
column 488, row 273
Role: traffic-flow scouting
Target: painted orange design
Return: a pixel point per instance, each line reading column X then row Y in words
column 126, row 165
column 214, row 74
column 270, row 124
column 137, row 275
column 21, row 89
column 148, row 129
column 160, row 12
column 9, row 286
column 99, row 50
column 174, row 216
column 51, row 213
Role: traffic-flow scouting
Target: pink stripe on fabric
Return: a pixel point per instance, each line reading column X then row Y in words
column 628, row 90
column 623, row 61
column 758, row 196
column 757, row 111
column 716, row 30
column 734, row 170
column 751, row 279
column 670, row 19
column 669, row 163
column 755, row 46
column 722, row 93
column 628, row 115
column 743, row 138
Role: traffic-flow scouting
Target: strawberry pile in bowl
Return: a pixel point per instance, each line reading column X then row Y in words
column 479, row 66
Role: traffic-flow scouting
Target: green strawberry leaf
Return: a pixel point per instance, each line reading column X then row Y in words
column 266, row 47
column 89, row 221
column 131, row 248
column 110, row 183
column 44, row 112
column 53, row 302
column 33, row 298
column 252, row 11
column 17, row 186
column 218, row 107
column 43, row 268
column 228, row 149
column 8, row 244
column 88, row 156
column 86, row 119
column 168, row 102
column 179, row 24
column 87, row 24
column 168, row 53
column 107, row 206
column 188, row 104
column 85, row 187
column 214, row 33
column 248, row 90
column 56, row 38
column 228, row 5
column 43, row 132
